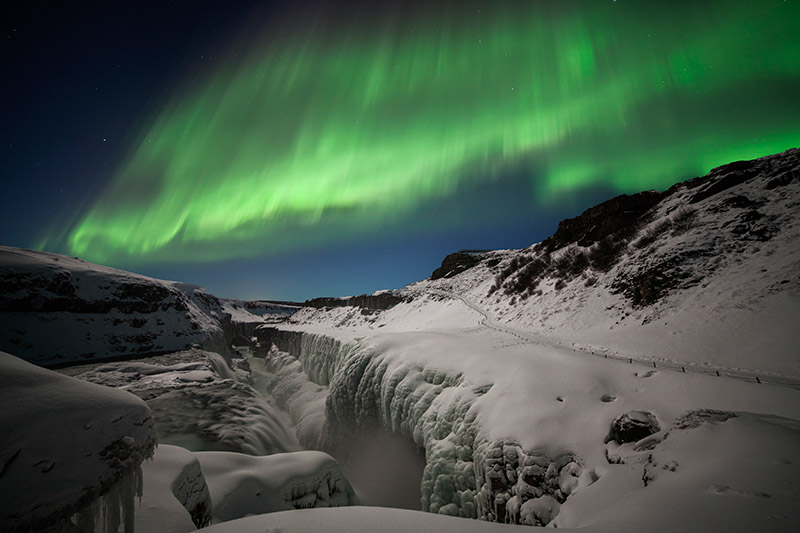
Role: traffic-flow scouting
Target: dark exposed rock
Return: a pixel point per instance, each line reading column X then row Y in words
column 112, row 314
column 633, row 426
column 22, row 292
column 783, row 179
column 366, row 301
column 458, row 262
column 699, row 417
column 603, row 220
column 725, row 177
column 645, row 288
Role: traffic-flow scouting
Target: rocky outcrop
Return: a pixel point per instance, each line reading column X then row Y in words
column 379, row 301
column 458, row 262
column 633, row 426
column 598, row 222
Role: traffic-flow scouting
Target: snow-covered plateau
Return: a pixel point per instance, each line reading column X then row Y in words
column 639, row 370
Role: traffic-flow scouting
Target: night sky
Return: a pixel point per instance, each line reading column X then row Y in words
column 287, row 150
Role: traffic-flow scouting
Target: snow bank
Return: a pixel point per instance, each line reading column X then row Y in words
column 710, row 471
column 360, row 520
column 70, row 451
column 242, row 485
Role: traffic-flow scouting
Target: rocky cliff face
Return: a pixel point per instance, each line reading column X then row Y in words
column 56, row 310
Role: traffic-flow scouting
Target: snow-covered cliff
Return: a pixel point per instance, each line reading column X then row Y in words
column 56, row 309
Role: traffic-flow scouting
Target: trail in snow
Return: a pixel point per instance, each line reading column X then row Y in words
column 676, row 366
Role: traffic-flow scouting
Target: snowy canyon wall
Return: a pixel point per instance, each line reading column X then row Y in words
column 333, row 389
column 57, row 310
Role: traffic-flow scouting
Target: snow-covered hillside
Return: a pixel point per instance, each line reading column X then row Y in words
column 704, row 276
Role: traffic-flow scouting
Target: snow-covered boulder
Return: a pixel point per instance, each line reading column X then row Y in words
column 70, row 450
column 175, row 498
column 243, row 485
column 56, row 309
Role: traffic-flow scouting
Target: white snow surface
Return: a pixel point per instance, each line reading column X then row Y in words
column 359, row 520
column 70, row 449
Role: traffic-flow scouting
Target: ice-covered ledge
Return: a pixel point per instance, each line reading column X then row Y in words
column 510, row 429
column 469, row 472
column 71, row 451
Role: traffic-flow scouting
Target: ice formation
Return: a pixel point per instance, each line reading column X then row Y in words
column 466, row 473
column 201, row 400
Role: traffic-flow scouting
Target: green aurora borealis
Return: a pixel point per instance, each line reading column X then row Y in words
column 328, row 128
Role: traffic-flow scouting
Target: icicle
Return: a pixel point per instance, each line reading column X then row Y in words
column 113, row 509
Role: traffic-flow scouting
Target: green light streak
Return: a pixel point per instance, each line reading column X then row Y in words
column 335, row 130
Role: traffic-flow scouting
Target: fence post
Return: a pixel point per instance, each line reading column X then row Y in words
column 758, row 380
column 683, row 369
column 718, row 372
column 654, row 364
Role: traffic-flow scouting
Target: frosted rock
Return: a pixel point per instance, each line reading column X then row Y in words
column 539, row 511
column 59, row 309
